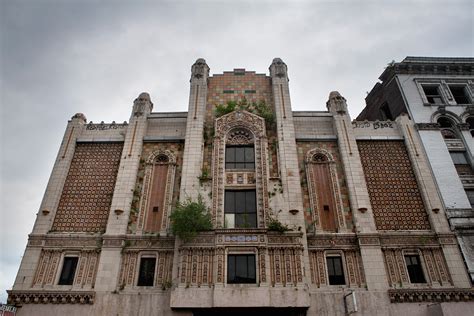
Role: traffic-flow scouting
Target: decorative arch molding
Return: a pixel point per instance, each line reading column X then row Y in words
column 322, row 159
column 443, row 113
column 158, row 184
column 239, row 128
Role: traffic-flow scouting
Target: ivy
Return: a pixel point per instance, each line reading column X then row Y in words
column 275, row 225
column 259, row 108
column 189, row 218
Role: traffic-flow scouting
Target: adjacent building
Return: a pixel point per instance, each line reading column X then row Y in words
column 438, row 95
column 367, row 230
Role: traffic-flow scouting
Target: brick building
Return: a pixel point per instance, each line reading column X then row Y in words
column 368, row 230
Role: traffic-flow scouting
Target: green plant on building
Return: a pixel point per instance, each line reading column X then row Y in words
column 259, row 108
column 275, row 225
column 189, row 218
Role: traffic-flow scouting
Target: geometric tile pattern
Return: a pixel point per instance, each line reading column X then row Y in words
column 393, row 189
column 87, row 193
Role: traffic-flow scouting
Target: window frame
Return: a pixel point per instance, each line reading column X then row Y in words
column 247, row 255
column 416, row 254
column 235, row 161
column 340, row 256
column 428, row 96
column 63, row 261
column 465, row 92
column 234, row 206
column 146, row 257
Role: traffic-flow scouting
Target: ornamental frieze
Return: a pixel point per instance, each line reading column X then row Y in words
column 50, row 297
column 331, row 241
column 430, row 295
column 69, row 242
column 102, row 126
column 418, row 240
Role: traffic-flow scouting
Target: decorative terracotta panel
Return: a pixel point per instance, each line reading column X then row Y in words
column 393, row 189
column 87, row 194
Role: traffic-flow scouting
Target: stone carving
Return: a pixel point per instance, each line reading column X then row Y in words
column 79, row 116
column 430, row 295
column 239, row 136
column 200, row 69
column 374, row 125
column 427, row 126
column 278, row 68
column 50, row 297
column 142, row 104
column 102, row 126
column 336, row 103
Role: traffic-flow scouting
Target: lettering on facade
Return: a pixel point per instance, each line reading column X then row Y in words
column 374, row 125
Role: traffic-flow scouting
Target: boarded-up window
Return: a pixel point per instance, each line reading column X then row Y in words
column 157, row 198
column 324, row 195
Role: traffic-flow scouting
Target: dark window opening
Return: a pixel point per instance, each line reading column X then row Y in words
column 146, row 274
column 458, row 157
column 239, row 157
column 470, row 196
column 459, row 94
column 385, row 111
column 240, row 209
column 470, row 122
column 432, row 94
column 250, row 91
column 414, row 269
column 335, row 271
column 228, row 91
column 68, row 271
column 241, row 269
column 447, row 129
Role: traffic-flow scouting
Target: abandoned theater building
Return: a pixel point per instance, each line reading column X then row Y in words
column 312, row 213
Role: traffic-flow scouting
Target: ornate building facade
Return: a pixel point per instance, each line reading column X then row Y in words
column 368, row 232
column 438, row 95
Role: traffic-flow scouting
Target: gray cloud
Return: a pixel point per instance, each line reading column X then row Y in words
column 95, row 57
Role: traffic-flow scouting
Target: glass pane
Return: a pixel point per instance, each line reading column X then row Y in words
column 230, row 165
column 241, row 267
column 230, row 154
column 147, row 272
column 239, row 154
column 249, row 156
column 252, row 219
column 251, row 267
column 249, row 165
column 250, row 205
column 337, row 266
column 229, row 221
column 231, row 269
column 68, row 271
column 229, row 203
column 239, row 202
column 330, row 266
column 239, row 165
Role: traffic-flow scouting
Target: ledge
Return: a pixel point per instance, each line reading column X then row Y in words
column 430, row 295
column 50, row 297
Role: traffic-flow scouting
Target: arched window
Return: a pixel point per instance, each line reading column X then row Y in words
column 239, row 153
column 447, row 128
column 324, row 190
column 157, row 192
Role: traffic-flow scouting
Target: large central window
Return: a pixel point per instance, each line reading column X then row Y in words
column 241, row 269
column 239, row 157
column 240, row 209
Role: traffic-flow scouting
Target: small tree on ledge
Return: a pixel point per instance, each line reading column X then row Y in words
column 189, row 218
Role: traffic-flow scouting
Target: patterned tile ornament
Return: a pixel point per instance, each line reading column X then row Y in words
column 87, row 194
column 393, row 190
column 50, row 297
column 225, row 127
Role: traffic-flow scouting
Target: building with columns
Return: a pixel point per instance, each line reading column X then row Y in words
column 367, row 229
column 438, row 95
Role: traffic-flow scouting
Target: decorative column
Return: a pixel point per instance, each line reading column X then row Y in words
column 194, row 143
column 293, row 211
column 107, row 274
column 364, row 222
column 49, row 204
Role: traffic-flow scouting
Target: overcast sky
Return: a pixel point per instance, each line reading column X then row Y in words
column 95, row 57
